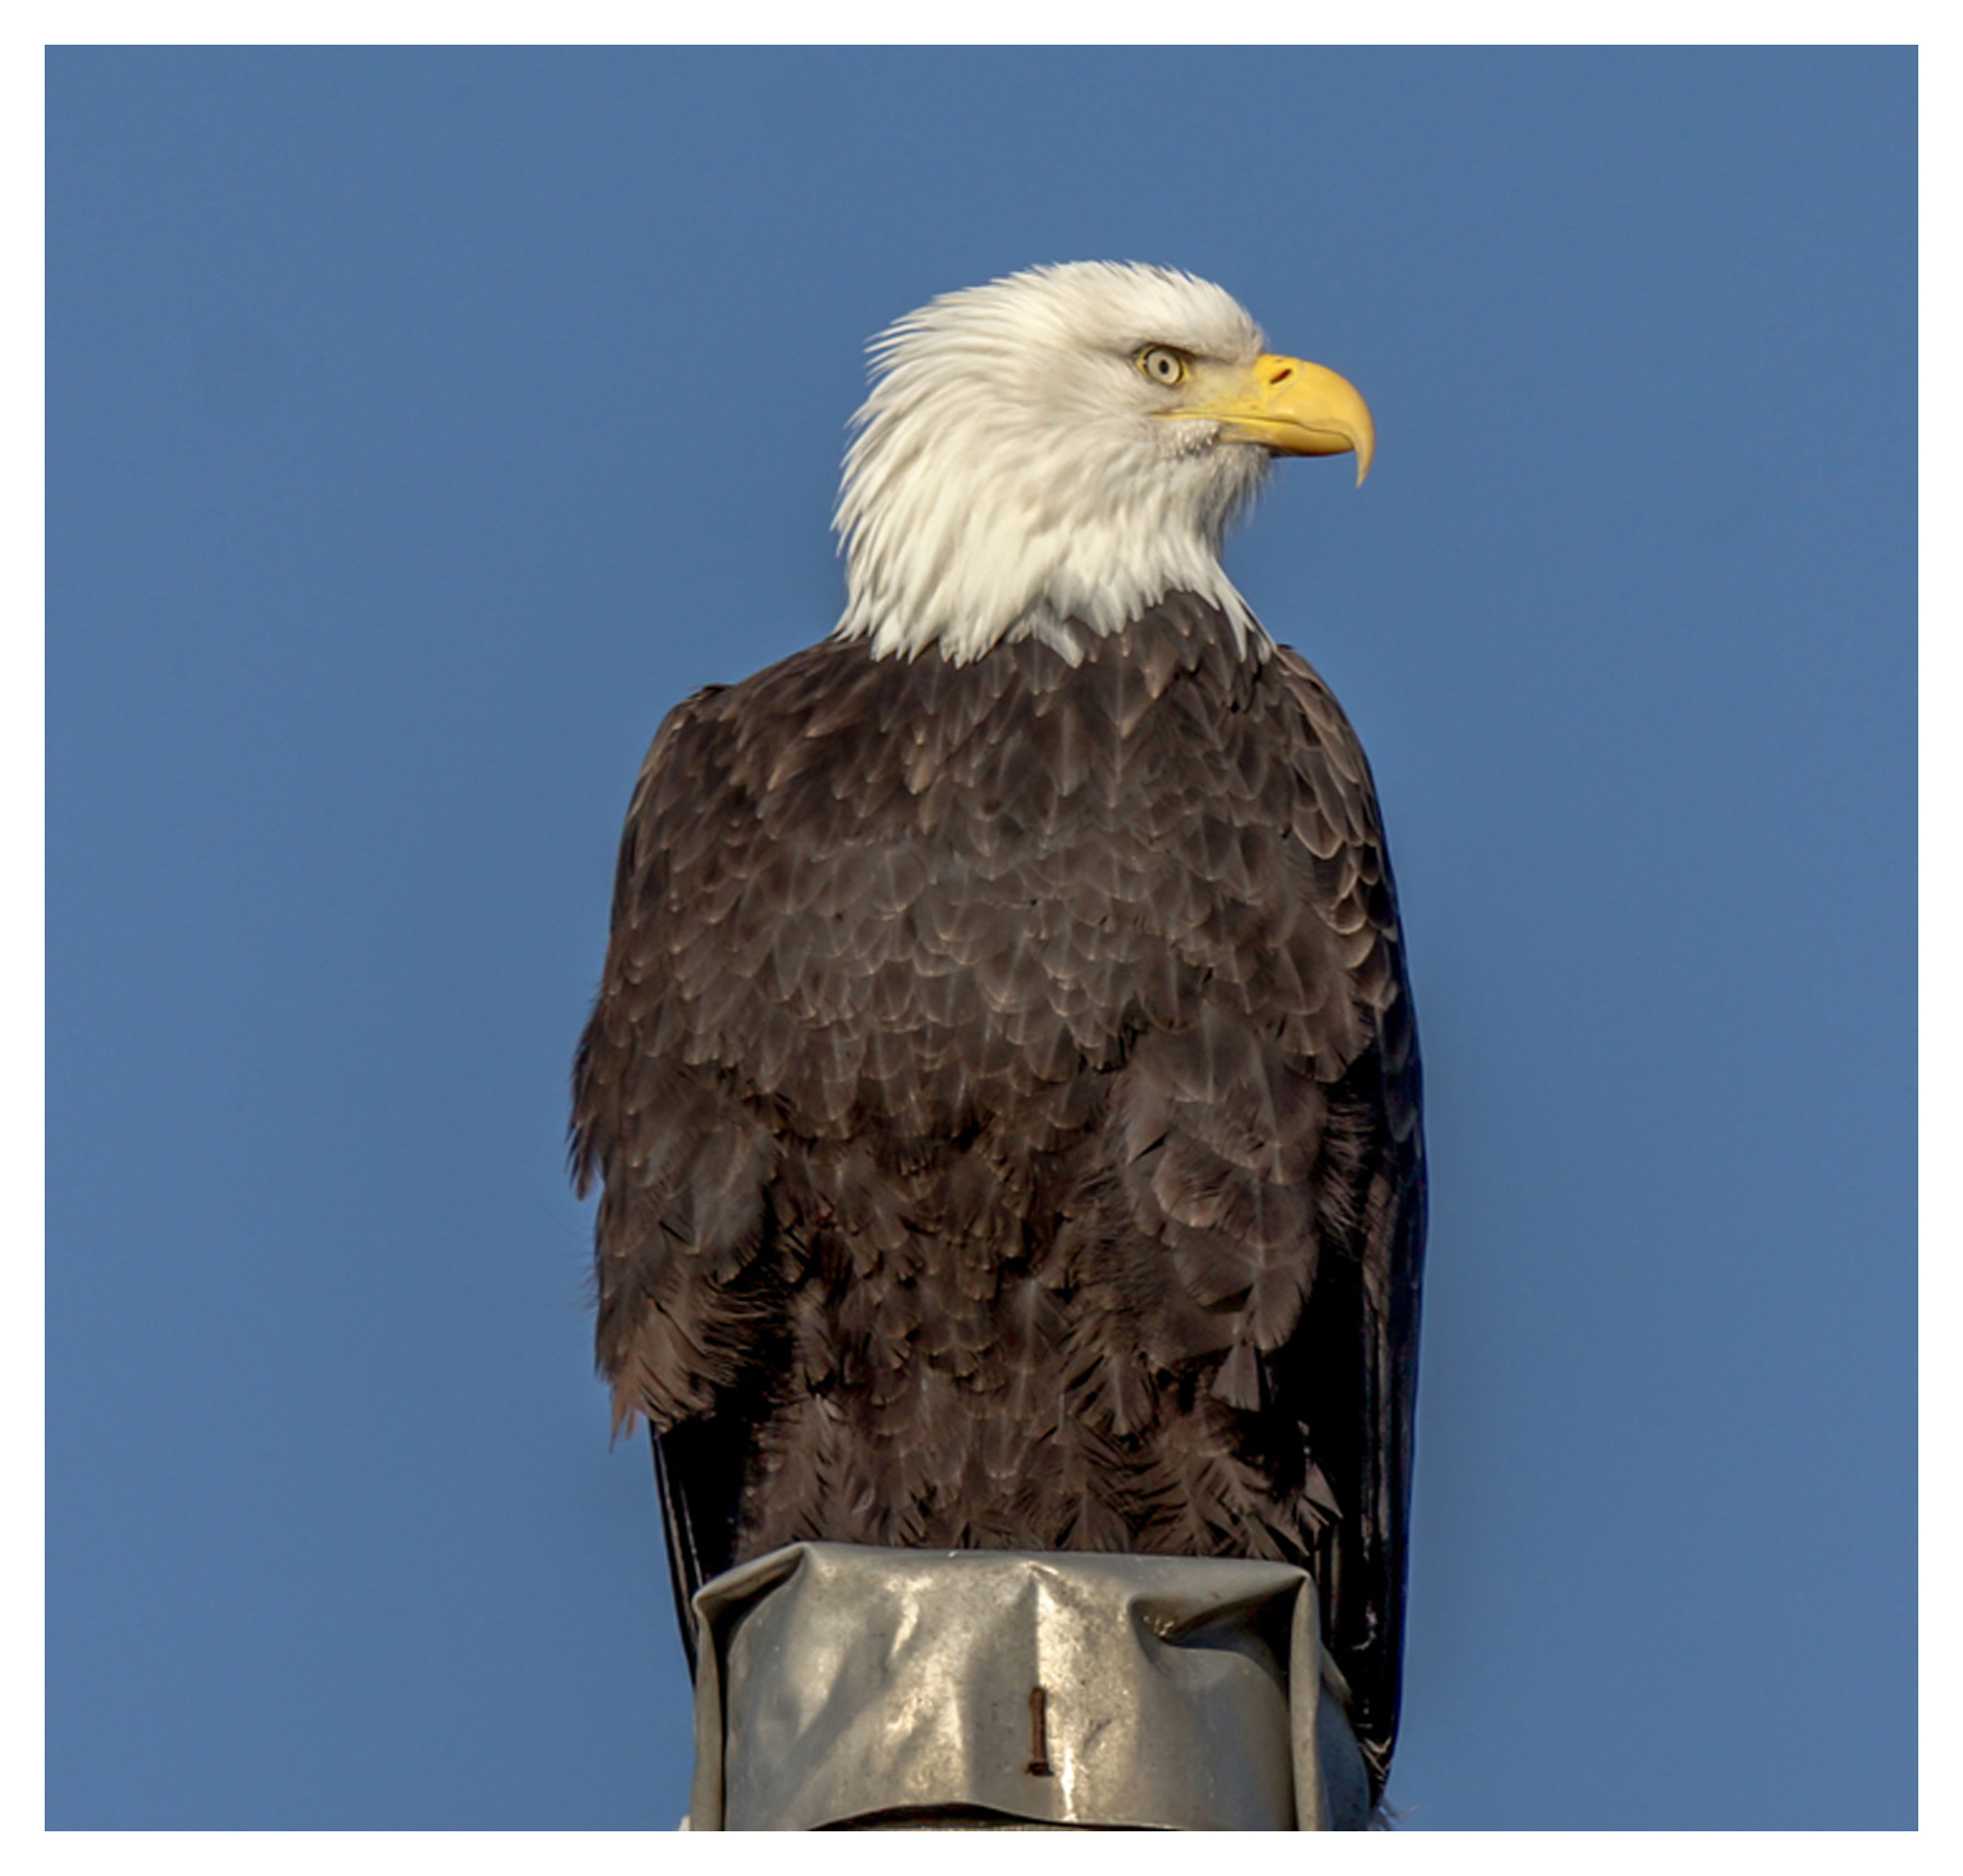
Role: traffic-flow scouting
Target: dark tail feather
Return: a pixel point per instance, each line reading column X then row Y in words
column 699, row 1470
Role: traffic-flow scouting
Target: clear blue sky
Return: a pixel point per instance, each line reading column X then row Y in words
column 424, row 423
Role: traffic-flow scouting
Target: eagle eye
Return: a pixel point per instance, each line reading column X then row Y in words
column 1162, row 364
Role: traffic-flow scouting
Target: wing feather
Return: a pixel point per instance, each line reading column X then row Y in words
column 1004, row 1091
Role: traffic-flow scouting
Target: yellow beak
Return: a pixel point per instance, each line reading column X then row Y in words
column 1290, row 407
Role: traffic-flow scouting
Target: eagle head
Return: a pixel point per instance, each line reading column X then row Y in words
column 1051, row 454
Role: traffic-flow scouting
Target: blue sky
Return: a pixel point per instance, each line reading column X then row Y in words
column 422, row 425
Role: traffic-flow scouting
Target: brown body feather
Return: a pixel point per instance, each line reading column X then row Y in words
column 1006, row 1094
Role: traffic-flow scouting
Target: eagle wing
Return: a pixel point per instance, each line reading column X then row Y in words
column 977, row 1037
column 1367, row 1297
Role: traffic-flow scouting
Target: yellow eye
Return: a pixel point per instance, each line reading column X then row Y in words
column 1162, row 364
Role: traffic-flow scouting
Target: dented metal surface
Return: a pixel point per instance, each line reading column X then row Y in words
column 849, row 1686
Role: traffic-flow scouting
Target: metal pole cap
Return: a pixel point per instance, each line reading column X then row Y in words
column 843, row 1687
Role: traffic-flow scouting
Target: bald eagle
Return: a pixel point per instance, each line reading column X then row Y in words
column 1003, row 1086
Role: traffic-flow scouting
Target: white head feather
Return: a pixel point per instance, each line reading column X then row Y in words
column 1009, row 472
